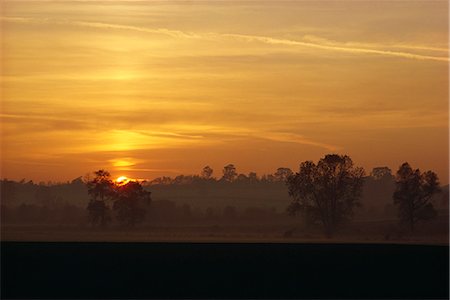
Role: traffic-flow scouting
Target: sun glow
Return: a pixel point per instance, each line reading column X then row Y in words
column 122, row 180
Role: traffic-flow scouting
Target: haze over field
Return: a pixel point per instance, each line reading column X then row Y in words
column 148, row 88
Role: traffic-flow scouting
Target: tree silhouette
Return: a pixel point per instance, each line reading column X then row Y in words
column 413, row 194
column 8, row 191
column 326, row 192
column 229, row 173
column 130, row 203
column 282, row 174
column 100, row 190
column 252, row 177
column 379, row 173
column 207, row 172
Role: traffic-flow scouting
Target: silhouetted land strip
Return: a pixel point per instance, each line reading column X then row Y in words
column 233, row 270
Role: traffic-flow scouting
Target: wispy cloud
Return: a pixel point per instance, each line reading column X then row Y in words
column 298, row 139
column 169, row 32
column 323, row 41
column 276, row 41
column 274, row 136
column 308, row 42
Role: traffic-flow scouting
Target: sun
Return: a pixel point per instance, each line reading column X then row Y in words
column 122, row 180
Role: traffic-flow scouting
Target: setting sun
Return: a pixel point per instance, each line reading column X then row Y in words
column 256, row 141
column 122, row 180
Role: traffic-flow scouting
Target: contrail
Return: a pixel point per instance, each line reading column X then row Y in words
column 298, row 139
column 250, row 38
column 275, row 41
column 323, row 41
column 169, row 32
column 164, row 31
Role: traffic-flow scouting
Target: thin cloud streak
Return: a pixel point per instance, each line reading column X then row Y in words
column 164, row 31
column 274, row 41
column 169, row 32
column 250, row 38
column 298, row 139
column 323, row 41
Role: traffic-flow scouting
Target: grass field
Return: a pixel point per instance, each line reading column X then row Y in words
column 290, row 232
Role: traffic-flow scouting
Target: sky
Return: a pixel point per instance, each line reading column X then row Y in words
column 162, row 88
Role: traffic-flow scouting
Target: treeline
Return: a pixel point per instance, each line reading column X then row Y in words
column 15, row 193
column 229, row 175
column 159, row 212
column 230, row 197
column 328, row 192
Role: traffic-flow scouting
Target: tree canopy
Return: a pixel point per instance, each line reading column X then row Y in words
column 100, row 190
column 207, row 172
column 229, row 173
column 413, row 194
column 129, row 200
column 326, row 192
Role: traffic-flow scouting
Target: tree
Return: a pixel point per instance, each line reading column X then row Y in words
column 229, row 173
column 252, row 177
column 100, row 190
column 207, row 172
column 130, row 203
column 326, row 192
column 379, row 173
column 8, row 191
column 242, row 178
column 413, row 192
column 268, row 178
column 282, row 174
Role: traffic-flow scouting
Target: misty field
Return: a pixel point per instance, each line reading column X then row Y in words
column 274, row 228
column 286, row 231
column 223, row 270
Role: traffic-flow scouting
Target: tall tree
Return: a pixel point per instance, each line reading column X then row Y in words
column 207, row 172
column 229, row 173
column 326, row 192
column 100, row 190
column 413, row 194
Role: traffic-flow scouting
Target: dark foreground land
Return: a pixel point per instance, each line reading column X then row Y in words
column 222, row 270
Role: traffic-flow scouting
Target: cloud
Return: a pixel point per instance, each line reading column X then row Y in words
column 298, row 139
column 274, row 136
column 309, row 41
column 317, row 39
column 332, row 47
column 33, row 122
column 164, row 31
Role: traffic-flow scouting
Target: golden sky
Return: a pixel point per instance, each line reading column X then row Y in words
column 152, row 88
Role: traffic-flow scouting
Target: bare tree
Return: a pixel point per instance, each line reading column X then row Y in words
column 326, row 192
column 413, row 194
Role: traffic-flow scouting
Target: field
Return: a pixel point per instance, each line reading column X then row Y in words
column 287, row 230
column 223, row 270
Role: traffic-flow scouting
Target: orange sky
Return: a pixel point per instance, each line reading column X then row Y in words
column 148, row 88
